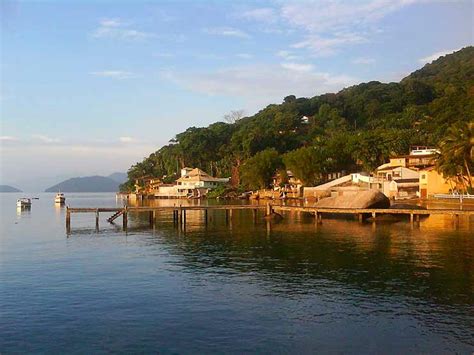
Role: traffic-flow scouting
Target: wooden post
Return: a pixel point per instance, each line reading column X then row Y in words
column 411, row 218
column 97, row 219
column 226, row 216
column 125, row 218
column 205, row 216
column 374, row 216
column 68, row 220
column 418, row 218
column 184, row 218
column 230, row 214
column 269, row 209
column 151, row 218
column 254, row 213
column 361, row 218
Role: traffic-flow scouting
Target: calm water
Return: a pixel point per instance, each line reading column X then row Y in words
column 342, row 287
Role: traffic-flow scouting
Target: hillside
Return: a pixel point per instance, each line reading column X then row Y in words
column 356, row 128
column 86, row 184
column 8, row 188
column 119, row 177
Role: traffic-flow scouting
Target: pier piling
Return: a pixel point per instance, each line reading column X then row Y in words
column 125, row 218
column 68, row 219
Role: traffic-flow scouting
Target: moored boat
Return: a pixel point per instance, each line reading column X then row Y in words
column 60, row 199
column 23, row 202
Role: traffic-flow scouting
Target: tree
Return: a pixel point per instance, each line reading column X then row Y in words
column 234, row 116
column 257, row 172
column 456, row 160
column 309, row 164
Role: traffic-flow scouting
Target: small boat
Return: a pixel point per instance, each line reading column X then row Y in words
column 60, row 198
column 23, row 202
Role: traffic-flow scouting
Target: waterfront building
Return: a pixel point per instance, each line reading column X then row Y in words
column 146, row 185
column 197, row 182
column 432, row 182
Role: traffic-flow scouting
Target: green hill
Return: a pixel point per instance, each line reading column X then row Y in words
column 8, row 188
column 356, row 128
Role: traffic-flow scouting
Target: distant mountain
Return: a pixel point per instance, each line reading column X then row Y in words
column 86, row 184
column 119, row 177
column 8, row 188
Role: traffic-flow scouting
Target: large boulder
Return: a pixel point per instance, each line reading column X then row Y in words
column 361, row 199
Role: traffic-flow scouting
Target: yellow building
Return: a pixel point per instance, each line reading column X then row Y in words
column 432, row 182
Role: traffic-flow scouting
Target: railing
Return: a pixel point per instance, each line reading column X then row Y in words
column 454, row 196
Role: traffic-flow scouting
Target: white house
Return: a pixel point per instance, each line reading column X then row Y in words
column 197, row 182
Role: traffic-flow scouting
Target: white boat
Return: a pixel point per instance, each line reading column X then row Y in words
column 23, row 202
column 60, row 198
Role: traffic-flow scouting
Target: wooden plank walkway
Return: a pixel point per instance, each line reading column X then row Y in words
column 179, row 212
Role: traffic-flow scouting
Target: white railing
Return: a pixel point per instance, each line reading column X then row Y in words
column 454, row 196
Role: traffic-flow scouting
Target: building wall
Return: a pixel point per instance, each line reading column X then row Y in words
column 431, row 182
column 397, row 162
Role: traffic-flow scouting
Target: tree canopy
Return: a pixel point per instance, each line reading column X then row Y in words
column 356, row 128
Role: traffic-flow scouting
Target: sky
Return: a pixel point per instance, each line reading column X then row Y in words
column 91, row 87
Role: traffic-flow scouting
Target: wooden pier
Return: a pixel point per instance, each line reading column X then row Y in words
column 179, row 212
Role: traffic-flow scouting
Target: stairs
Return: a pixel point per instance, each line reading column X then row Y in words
column 115, row 216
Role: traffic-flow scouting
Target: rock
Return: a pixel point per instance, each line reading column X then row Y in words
column 361, row 199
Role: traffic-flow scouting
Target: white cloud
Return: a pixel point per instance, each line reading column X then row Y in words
column 163, row 55
column 45, row 139
column 297, row 67
column 436, row 55
column 245, row 55
column 329, row 25
column 327, row 15
column 264, row 14
column 288, row 55
column 126, row 139
column 111, row 22
column 227, row 31
column 323, row 46
column 114, row 74
column 363, row 60
column 117, row 29
column 263, row 84
column 8, row 138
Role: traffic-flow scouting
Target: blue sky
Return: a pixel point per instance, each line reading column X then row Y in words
column 89, row 87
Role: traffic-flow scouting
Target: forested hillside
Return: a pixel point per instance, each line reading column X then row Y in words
column 356, row 128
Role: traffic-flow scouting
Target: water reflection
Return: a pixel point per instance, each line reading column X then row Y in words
column 400, row 269
column 243, row 285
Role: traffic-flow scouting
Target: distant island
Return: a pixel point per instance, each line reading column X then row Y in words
column 119, row 177
column 8, row 188
column 90, row 184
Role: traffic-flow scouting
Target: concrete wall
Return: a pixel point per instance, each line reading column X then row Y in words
column 431, row 182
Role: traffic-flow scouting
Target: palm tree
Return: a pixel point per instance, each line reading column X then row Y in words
column 457, row 152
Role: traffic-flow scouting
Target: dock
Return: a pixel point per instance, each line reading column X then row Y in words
column 179, row 212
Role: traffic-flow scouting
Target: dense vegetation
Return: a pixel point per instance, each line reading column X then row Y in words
column 356, row 128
